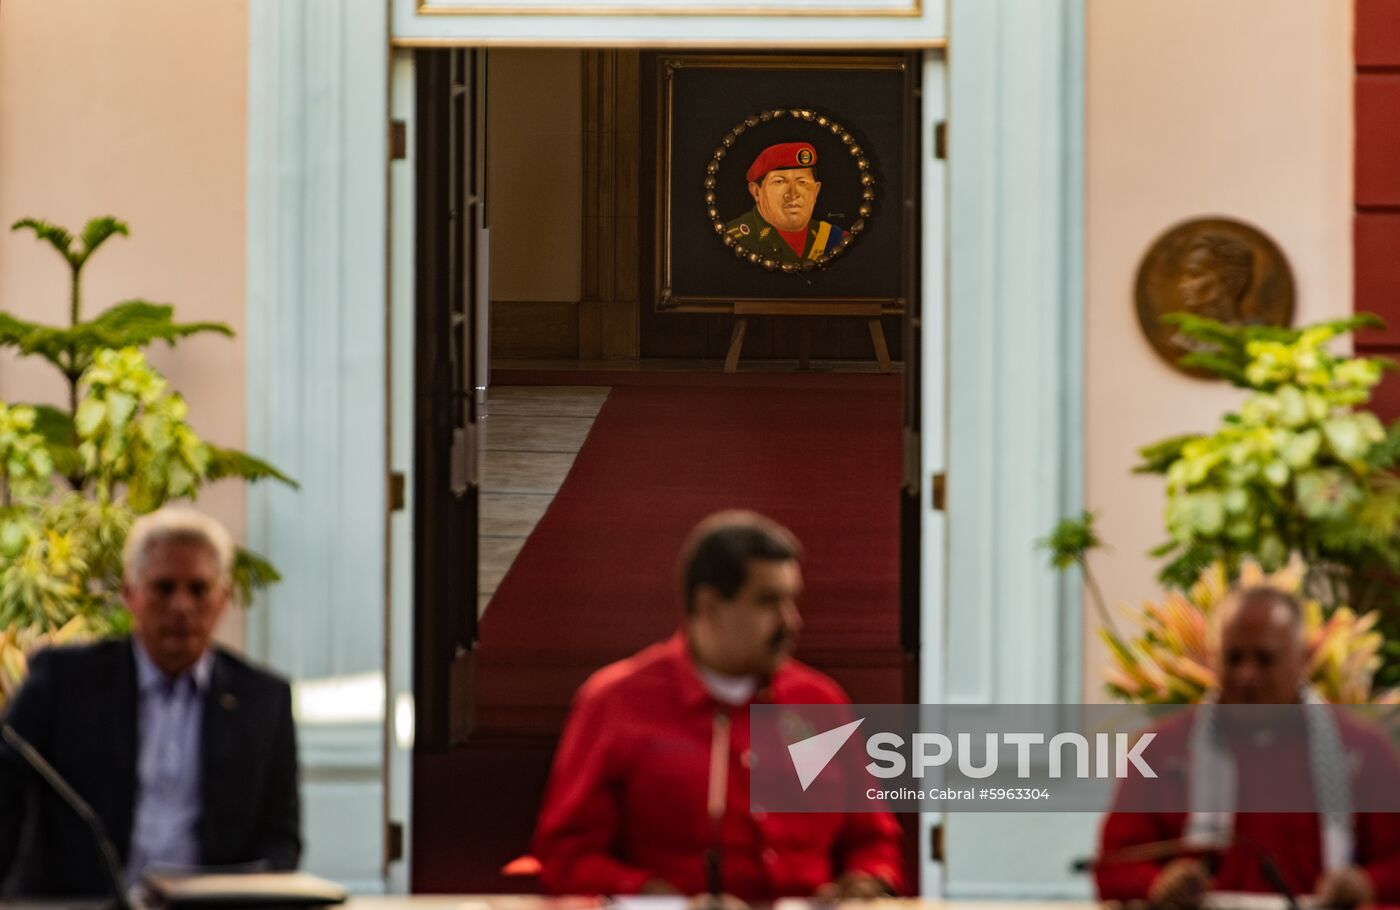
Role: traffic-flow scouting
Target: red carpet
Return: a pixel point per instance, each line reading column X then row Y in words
column 789, row 380
column 596, row 580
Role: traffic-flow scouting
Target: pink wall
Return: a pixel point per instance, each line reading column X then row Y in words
column 136, row 109
column 1239, row 108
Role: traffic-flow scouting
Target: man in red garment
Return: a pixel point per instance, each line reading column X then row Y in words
column 1346, row 863
column 627, row 809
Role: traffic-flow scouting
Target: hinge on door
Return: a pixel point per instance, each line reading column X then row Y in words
column 396, row 491
column 398, row 140
column 393, row 842
column 940, row 140
column 939, row 492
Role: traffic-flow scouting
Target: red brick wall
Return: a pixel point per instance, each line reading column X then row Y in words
column 1376, row 230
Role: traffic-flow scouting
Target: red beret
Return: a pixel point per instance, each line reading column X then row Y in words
column 784, row 154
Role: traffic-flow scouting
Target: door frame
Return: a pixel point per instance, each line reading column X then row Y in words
column 326, row 295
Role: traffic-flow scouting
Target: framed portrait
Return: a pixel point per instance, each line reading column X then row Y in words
column 782, row 179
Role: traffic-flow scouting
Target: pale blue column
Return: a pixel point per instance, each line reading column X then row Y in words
column 1015, row 344
column 316, row 389
column 1015, row 446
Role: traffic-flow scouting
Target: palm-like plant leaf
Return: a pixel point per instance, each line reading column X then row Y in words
column 57, row 237
column 1228, row 339
column 1352, row 323
column 95, row 233
column 13, row 331
column 132, row 323
column 34, row 338
column 233, row 463
column 1071, row 540
column 137, row 323
column 1222, row 366
column 251, row 573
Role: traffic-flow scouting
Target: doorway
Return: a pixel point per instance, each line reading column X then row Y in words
column 609, row 423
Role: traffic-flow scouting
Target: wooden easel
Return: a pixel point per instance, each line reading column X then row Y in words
column 870, row 312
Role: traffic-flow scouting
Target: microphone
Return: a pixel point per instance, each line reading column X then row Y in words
column 1269, row 868
column 1153, row 851
column 65, row 791
column 715, row 803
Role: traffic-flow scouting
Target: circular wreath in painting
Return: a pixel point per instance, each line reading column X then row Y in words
column 789, row 190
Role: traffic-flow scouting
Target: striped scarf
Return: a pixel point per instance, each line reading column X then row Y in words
column 1213, row 781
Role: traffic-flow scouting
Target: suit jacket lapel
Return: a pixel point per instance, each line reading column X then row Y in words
column 217, row 745
column 120, row 677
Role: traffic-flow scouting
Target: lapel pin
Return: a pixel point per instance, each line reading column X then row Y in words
column 228, row 702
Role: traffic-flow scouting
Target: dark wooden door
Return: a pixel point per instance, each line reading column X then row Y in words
column 448, row 205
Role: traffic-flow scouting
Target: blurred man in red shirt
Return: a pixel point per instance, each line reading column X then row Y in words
column 629, row 810
column 1346, row 859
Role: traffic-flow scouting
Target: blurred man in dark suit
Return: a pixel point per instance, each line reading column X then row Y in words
column 186, row 753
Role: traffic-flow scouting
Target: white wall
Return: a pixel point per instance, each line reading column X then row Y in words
column 1240, row 108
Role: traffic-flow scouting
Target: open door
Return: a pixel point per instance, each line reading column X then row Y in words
column 450, row 378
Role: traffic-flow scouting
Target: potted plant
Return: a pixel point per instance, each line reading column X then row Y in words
column 1301, row 471
column 73, row 478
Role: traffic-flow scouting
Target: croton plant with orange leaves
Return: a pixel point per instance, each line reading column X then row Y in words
column 1173, row 659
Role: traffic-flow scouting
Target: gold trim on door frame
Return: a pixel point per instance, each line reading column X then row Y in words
column 670, row 44
column 424, row 8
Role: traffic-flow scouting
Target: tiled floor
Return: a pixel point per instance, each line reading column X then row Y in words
column 529, row 439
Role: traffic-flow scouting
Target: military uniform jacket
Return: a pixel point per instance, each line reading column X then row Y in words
column 758, row 235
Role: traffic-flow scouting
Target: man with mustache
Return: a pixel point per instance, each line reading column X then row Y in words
column 784, row 186
column 628, row 808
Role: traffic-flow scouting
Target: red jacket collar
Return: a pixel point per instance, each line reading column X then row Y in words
column 692, row 689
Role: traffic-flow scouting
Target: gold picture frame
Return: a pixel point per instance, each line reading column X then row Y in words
column 815, row 71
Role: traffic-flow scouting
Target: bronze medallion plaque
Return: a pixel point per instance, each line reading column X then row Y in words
column 1217, row 269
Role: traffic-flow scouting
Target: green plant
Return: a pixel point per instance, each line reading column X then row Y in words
column 1301, row 469
column 1172, row 660
column 1069, row 544
column 1298, row 469
column 122, row 447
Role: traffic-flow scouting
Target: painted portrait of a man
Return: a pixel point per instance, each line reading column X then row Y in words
column 783, row 183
